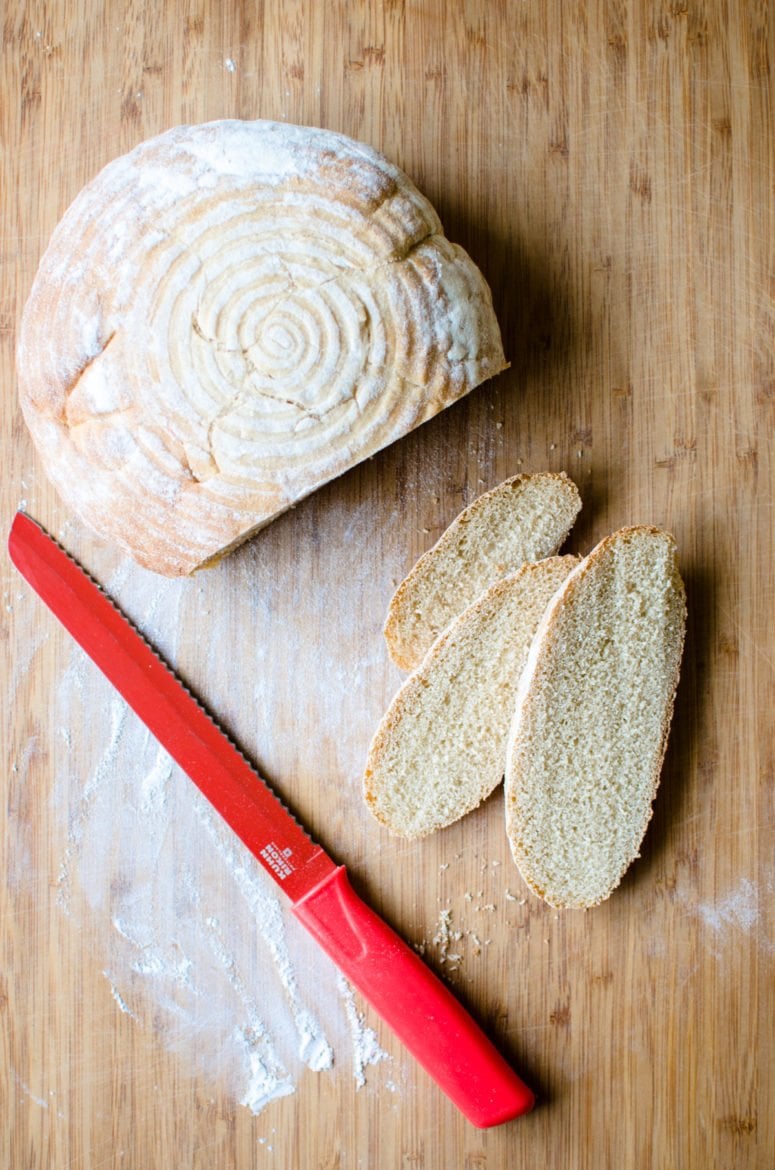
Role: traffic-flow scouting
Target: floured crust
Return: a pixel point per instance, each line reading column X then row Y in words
column 564, row 754
column 230, row 316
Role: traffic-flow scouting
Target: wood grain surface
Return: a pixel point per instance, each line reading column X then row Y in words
column 609, row 165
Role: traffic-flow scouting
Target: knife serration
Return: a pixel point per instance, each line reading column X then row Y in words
column 168, row 708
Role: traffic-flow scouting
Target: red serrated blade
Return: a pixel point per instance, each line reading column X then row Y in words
column 410, row 998
column 169, row 711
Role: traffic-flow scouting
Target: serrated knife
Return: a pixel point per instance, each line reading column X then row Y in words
column 402, row 989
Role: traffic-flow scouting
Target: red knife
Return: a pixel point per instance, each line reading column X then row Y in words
column 419, row 1008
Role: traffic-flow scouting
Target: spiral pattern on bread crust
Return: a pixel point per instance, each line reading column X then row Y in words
column 230, row 316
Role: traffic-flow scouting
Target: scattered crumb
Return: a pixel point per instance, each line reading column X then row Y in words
column 443, row 935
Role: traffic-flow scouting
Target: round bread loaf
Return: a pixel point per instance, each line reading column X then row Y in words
column 230, row 316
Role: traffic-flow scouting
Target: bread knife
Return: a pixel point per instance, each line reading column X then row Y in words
column 422, row 1011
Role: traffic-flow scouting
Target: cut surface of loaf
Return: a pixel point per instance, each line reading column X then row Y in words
column 525, row 518
column 440, row 749
column 592, row 716
column 230, row 316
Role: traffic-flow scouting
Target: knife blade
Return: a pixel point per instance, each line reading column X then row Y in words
column 424, row 1014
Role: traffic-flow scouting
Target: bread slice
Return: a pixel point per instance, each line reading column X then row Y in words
column 526, row 518
column 440, row 749
column 592, row 717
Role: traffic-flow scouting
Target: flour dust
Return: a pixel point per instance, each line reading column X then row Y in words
column 197, row 944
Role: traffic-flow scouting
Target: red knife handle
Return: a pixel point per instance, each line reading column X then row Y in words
column 420, row 1009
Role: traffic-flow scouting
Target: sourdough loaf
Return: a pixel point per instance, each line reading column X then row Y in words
column 230, row 316
column 593, row 711
column 525, row 518
column 440, row 749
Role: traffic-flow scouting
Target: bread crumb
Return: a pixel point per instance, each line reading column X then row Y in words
column 443, row 935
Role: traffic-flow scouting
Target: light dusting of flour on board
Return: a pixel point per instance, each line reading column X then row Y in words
column 733, row 914
column 197, row 944
column 366, row 1049
column 740, row 907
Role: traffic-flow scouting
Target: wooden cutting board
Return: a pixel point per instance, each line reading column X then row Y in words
column 610, row 167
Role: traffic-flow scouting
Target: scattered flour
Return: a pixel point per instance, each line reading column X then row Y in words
column 365, row 1044
column 733, row 914
column 198, row 945
column 28, row 1091
column 739, row 908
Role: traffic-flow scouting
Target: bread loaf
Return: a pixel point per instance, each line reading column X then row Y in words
column 230, row 316
column 525, row 518
column 441, row 747
column 593, row 711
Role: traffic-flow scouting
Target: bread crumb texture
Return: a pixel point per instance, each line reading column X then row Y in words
column 593, row 711
column 228, row 317
column 525, row 518
column 440, row 749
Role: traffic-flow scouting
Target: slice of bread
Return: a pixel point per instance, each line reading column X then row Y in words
column 440, row 748
column 526, row 518
column 592, row 717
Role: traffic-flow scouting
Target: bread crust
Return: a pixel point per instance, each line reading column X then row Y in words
column 228, row 317
column 535, row 686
